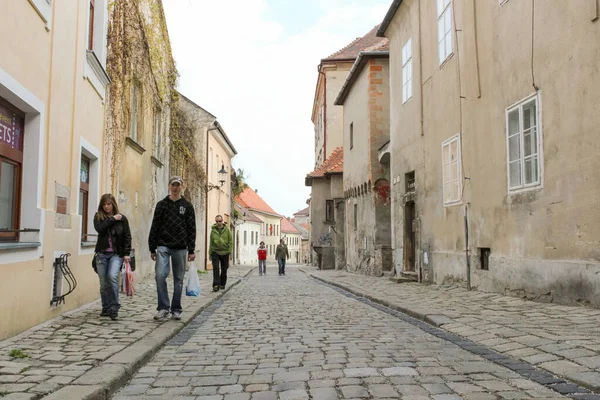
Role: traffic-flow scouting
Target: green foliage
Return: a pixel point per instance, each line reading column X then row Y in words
column 17, row 353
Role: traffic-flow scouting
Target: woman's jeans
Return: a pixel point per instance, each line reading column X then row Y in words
column 109, row 266
column 165, row 257
column 262, row 267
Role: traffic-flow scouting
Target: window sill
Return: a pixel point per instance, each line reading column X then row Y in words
column 332, row 223
column 96, row 74
column 88, row 244
column 135, row 145
column 19, row 245
column 156, row 162
column 447, row 60
column 453, row 204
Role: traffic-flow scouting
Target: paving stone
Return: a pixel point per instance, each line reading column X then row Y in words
column 350, row 392
column 360, row 372
column 382, row 391
column 325, row 393
column 264, row 396
column 400, row 371
column 231, row 389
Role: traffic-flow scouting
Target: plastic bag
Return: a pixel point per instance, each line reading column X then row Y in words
column 127, row 280
column 193, row 283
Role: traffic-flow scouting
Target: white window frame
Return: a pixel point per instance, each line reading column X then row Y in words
column 539, row 144
column 445, row 39
column 447, row 146
column 44, row 10
column 407, row 69
column 33, row 214
column 135, row 111
column 95, row 66
column 93, row 154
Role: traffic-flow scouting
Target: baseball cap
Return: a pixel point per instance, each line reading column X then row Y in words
column 176, row 179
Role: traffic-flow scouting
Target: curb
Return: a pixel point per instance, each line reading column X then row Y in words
column 102, row 381
column 438, row 320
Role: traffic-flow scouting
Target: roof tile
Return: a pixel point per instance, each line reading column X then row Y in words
column 333, row 164
column 369, row 42
column 251, row 200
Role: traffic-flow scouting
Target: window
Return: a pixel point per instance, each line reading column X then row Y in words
column 329, row 210
column 355, row 221
column 523, row 142
column 84, row 190
column 91, row 26
column 158, row 131
column 451, row 171
column 407, row 71
column 135, row 107
column 444, row 9
column 12, row 129
column 351, row 134
column 245, row 238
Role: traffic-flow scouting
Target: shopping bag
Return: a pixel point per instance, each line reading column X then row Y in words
column 193, row 283
column 129, row 288
column 123, row 280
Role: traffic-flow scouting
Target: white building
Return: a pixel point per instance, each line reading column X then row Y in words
column 247, row 236
column 293, row 239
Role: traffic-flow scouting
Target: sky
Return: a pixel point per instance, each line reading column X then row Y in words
column 253, row 64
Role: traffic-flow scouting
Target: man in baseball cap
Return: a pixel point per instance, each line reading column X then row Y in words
column 172, row 236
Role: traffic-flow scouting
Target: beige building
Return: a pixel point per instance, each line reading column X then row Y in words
column 220, row 152
column 270, row 231
column 328, row 125
column 52, row 100
column 494, row 135
column 365, row 97
column 293, row 239
column 247, row 236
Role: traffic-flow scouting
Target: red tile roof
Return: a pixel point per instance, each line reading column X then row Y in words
column 251, row 200
column 366, row 43
column 302, row 212
column 334, row 164
column 288, row 227
column 246, row 214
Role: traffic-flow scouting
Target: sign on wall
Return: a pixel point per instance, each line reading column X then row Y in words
column 11, row 129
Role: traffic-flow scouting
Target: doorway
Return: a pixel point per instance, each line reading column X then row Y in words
column 409, row 236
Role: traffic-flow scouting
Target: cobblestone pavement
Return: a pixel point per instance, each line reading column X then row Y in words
column 560, row 339
column 60, row 352
column 292, row 338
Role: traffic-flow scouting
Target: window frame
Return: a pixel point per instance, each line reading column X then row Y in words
column 524, row 187
column 84, row 189
column 351, row 135
column 355, row 215
column 406, row 68
column 329, row 211
column 442, row 9
column 448, row 144
column 135, row 108
column 91, row 17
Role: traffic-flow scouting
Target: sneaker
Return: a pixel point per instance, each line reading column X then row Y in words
column 215, row 288
column 104, row 313
column 161, row 314
column 114, row 316
column 176, row 315
column 222, row 287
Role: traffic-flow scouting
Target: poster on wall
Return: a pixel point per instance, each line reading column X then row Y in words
column 11, row 129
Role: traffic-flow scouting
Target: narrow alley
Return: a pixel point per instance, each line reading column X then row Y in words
column 293, row 337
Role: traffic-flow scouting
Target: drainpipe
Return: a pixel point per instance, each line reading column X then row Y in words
column 467, row 249
column 215, row 126
column 597, row 16
column 324, row 112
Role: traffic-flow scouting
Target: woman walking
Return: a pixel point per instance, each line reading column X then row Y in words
column 112, row 249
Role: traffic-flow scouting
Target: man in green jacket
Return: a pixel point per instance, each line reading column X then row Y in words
column 220, row 247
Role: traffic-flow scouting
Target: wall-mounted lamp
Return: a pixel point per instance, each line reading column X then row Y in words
column 222, row 179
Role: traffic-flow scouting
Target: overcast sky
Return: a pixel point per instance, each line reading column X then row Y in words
column 253, row 64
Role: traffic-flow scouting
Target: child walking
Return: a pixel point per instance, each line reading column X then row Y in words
column 262, row 259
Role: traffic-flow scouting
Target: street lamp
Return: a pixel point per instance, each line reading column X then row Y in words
column 222, row 178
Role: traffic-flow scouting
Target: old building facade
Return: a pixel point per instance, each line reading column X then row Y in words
column 494, row 149
column 365, row 100
column 247, row 236
column 139, row 115
column 270, row 231
column 52, row 102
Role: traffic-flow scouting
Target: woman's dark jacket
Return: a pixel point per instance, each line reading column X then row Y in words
column 119, row 230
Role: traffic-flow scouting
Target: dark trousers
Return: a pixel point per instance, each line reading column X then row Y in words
column 281, row 262
column 220, row 265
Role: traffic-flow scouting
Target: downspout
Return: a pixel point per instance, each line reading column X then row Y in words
column 597, row 16
column 324, row 112
column 216, row 126
column 476, row 48
column 421, row 70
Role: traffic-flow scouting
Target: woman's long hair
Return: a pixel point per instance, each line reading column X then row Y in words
column 105, row 199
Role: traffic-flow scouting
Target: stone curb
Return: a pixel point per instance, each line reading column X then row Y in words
column 102, row 381
column 437, row 320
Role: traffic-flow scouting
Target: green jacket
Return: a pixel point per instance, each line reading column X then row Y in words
column 220, row 242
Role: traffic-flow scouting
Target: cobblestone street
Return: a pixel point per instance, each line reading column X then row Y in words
column 294, row 338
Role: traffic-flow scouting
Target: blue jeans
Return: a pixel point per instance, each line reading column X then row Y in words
column 281, row 262
column 262, row 267
column 109, row 266
column 162, row 269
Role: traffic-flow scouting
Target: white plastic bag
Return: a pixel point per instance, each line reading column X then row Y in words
column 193, row 283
